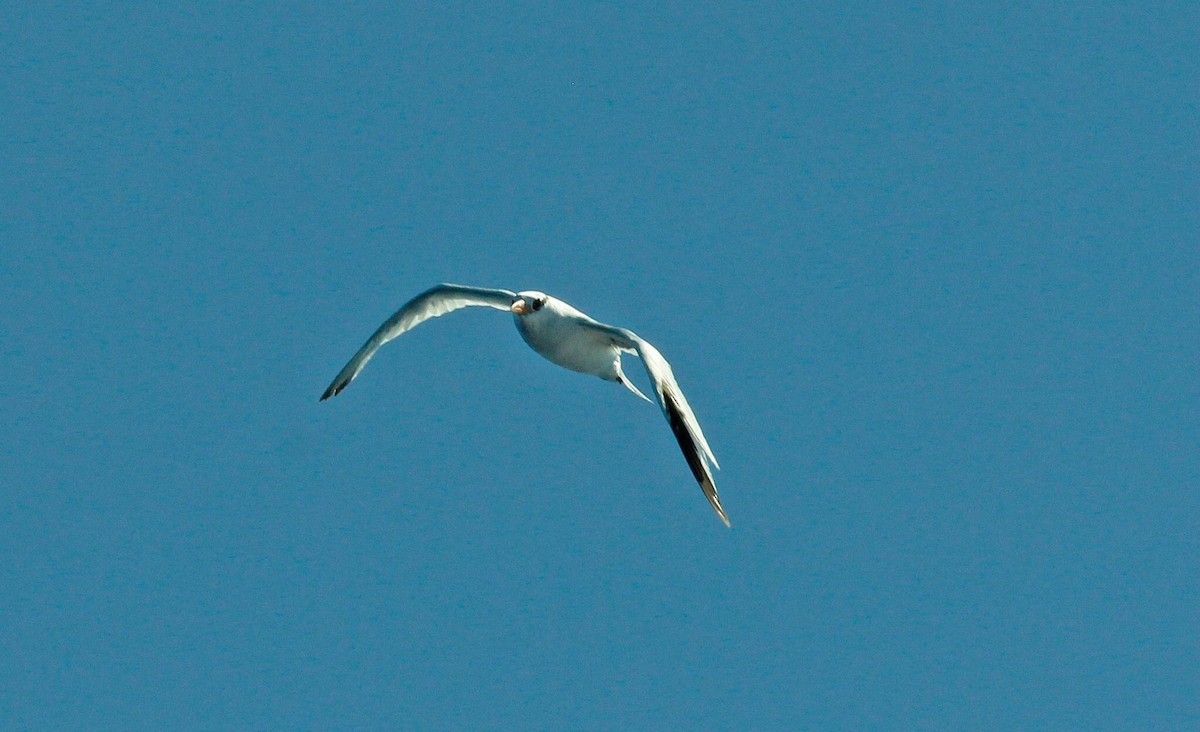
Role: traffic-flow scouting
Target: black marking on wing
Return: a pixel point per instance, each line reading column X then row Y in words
column 342, row 380
column 686, row 444
column 691, row 452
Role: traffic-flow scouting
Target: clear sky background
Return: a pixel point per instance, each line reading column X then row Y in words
column 928, row 274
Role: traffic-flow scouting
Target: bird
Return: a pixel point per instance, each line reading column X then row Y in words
column 568, row 338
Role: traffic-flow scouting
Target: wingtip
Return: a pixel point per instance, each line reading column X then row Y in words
column 716, row 504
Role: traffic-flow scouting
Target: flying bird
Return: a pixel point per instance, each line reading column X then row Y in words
column 566, row 337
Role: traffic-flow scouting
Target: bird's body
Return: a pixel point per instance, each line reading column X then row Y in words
column 559, row 333
column 553, row 331
column 566, row 337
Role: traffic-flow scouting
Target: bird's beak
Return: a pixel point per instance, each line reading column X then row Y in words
column 520, row 307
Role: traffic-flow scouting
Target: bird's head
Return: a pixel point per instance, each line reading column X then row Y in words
column 528, row 302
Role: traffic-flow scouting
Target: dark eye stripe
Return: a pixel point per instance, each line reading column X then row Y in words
column 537, row 304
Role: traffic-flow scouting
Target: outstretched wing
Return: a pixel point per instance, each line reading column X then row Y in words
column 675, row 408
column 429, row 304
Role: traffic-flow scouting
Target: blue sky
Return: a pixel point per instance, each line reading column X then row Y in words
column 928, row 276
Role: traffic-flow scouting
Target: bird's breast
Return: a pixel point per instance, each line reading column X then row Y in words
column 565, row 343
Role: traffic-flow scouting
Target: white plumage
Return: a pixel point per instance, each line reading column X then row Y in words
column 569, row 338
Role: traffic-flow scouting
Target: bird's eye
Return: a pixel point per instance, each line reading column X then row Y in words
column 538, row 303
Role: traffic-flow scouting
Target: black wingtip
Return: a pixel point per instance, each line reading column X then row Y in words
column 691, row 453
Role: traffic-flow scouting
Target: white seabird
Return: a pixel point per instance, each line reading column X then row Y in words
column 569, row 338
